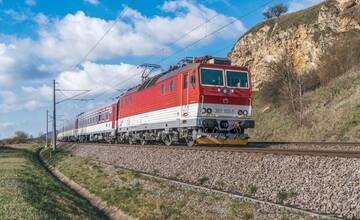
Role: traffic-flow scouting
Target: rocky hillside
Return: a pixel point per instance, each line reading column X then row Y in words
column 305, row 36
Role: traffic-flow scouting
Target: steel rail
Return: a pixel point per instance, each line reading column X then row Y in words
column 260, row 148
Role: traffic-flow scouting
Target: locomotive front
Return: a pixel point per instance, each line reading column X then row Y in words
column 225, row 104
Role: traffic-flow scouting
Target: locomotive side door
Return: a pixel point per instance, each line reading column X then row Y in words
column 184, row 96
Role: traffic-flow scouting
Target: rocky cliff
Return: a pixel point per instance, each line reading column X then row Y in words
column 304, row 36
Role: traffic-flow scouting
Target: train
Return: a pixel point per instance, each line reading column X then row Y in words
column 205, row 100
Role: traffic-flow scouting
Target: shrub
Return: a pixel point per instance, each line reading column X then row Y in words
column 251, row 190
column 286, row 85
column 203, row 180
column 20, row 137
column 356, row 115
column 283, row 195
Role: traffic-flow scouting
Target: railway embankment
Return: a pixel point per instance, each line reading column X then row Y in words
column 321, row 184
column 29, row 191
column 146, row 196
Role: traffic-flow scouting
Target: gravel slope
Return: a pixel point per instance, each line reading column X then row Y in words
column 323, row 184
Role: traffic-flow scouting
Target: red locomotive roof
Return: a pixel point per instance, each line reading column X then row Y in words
column 196, row 63
column 93, row 111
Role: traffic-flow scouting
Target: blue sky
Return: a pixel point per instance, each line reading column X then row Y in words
column 42, row 40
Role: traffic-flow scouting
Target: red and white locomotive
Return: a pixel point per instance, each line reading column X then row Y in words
column 204, row 101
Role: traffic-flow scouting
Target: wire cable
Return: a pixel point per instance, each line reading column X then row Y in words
column 186, row 47
column 199, row 40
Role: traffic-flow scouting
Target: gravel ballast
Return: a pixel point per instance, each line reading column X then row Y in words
column 322, row 184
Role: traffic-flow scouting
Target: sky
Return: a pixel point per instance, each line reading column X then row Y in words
column 97, row 45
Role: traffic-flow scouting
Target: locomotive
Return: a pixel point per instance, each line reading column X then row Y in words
column 205, row 100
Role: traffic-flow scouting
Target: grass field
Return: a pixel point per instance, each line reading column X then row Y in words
column 28, row 191
column 144, row 197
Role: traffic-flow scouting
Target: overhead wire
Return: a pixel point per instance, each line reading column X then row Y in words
column 199, row 40
column 97, row 44
column 186, row 34
column 123, row 81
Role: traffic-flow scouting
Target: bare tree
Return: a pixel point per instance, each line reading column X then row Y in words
column 285, row 85
column 275, row 11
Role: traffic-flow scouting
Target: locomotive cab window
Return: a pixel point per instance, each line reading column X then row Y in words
column 237, row 79
column 212, row 77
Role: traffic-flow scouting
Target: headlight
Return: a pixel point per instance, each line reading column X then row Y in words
column 224, row 124
column 246, row 112
column 203, row 111
column 209, row 110
column 240, row 112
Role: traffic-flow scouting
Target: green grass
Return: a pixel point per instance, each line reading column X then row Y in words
column 29, row 191
column 148, row 198
column 203, row 180
column 251, row 190
column 282, row 196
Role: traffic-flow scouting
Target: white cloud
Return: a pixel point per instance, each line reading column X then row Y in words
column 31, row 105
column 41, row 19
column 101, row 78
column 7, row 63
column 43, row 92
column 19, row 61
column 187, row 15
column 30, row 2
column 71, row 37
column 296, row 5
column 61, row 43
column 9, row 102
column 6, row 125
column 17, row 16
column 8, row 98
column 93, row 2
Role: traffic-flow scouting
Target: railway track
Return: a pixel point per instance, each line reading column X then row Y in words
column 109, row 158
column 277, row 148
column 312, row 213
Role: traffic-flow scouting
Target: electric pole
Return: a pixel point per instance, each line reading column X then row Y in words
column 54, row 117
column 47, row 128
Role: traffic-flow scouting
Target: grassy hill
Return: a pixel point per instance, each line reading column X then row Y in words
column 332, row 113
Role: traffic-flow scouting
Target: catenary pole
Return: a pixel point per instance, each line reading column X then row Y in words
column 54, row 117
column 47, row 128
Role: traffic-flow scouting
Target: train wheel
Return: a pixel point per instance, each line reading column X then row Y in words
column 167, row 139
